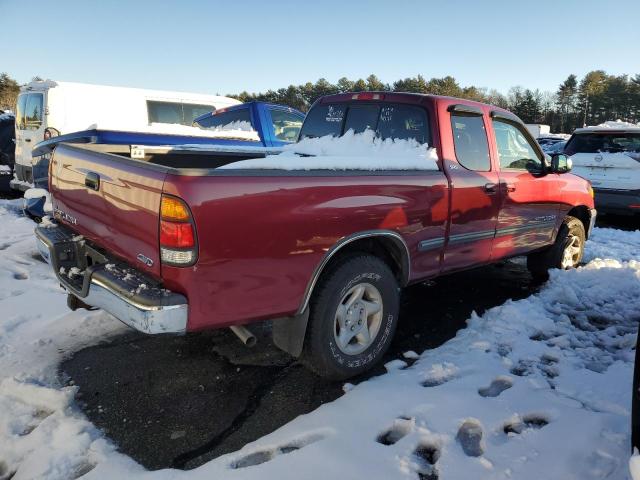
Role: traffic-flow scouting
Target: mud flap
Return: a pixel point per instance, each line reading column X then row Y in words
column 289, row 333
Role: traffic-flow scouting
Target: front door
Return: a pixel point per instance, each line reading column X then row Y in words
column 475, row 195
column 528, row 213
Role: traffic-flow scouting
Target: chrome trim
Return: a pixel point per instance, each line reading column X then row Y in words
column 431, row 244
column 406, row 267
column 471, row 236
column 146, row 319
column 523, row 228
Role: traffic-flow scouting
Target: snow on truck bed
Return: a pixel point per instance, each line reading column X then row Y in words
column 352, row 151
column 538, row 388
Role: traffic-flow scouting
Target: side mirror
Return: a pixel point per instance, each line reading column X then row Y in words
column 560, row 163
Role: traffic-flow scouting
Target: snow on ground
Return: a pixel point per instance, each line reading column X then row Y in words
column 351, row 151
column 535, row 388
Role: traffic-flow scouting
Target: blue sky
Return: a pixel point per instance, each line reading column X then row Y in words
column 227, row 47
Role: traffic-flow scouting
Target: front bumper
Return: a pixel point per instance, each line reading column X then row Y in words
column 623, row 202
column 102, row 282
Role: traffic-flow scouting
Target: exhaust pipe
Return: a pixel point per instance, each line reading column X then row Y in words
column 245, row 336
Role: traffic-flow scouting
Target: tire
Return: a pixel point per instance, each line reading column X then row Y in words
column 361, row 295
column 565, row 253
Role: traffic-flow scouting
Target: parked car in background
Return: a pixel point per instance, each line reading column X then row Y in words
column 609, row 157
column 47, row 109
column 537, row 130
column 319, row 242
column 7, row 148
column 248, row 130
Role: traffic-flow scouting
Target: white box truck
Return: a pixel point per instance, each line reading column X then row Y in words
column 49, row 108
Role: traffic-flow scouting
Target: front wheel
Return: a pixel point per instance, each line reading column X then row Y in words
column 565, row 253
column 353, row 317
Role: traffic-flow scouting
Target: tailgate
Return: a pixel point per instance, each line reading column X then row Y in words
column 112, row 201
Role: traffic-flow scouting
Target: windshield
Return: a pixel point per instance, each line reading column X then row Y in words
column 387, row 120
column 604, row 142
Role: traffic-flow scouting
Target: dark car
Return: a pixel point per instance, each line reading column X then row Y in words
column 7, row 148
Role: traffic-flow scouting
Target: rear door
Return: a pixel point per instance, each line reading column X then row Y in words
column 474, row 194
column 112, row 201
column 529, row 196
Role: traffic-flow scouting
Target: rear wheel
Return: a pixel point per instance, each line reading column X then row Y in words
column 353, row 318
column 565, row 253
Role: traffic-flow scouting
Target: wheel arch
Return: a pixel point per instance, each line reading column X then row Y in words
column 387, row 244
column 582, row 213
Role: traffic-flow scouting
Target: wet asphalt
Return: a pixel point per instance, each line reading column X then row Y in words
column 181, row 401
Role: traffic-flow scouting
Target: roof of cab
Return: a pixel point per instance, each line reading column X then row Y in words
column 406, row 97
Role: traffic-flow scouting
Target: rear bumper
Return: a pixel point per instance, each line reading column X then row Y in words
column 99, row 281
column 624, row 202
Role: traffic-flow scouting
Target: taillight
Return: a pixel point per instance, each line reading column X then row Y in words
column 177, row 233
column 367, row 96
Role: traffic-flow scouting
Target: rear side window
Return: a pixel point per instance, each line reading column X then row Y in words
column 228, row 120
column 470, row 142
column 175, row 112
column 603, row 142
column 286, row 125
column 324, row 120
column 33, row 111
column 388, row 120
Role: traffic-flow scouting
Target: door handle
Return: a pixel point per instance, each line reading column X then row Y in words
column 490, row 188
column 28, row 140
column 92, row 180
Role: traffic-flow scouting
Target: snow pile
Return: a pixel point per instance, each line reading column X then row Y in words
column 241, row 125
column 352, row 151
column 536, row 388
column 618, row 124
column 184, row 130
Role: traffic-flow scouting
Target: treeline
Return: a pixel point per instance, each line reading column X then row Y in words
column 9, row 90
column 594, row 99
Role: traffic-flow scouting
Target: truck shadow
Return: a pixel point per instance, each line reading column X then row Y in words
column 181, row 401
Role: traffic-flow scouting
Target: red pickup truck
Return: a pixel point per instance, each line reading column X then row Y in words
column 173, row 243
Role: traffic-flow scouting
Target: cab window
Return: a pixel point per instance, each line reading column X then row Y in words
column 286, row 125
column 228, row 120
column 515, row 150
column 387, row 120
column 470, row 142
